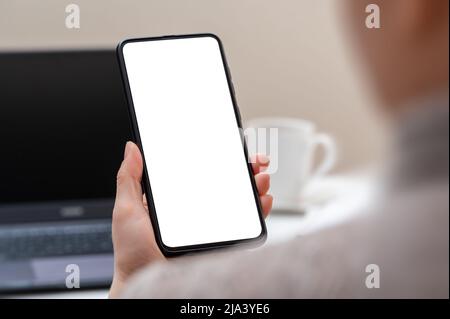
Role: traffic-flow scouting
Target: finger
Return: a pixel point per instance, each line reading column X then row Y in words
column 129, row 191
column 262, row 183
column 259, row 162
column 266, row 203
column 144, row 201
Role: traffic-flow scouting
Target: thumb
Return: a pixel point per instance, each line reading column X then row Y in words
column 129, row 190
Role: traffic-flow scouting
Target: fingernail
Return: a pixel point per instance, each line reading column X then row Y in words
column 127, row 149
column 263, row 159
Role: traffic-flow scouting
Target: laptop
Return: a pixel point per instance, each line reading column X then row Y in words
column 63, row 127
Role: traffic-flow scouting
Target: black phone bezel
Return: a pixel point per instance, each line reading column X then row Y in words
column 173, row 251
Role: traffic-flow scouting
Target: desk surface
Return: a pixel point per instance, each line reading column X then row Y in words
column 331, row 201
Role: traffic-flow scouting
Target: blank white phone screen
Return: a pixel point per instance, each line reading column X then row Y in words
column 195, row 160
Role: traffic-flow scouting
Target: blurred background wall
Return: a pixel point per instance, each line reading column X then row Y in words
column 287, row 58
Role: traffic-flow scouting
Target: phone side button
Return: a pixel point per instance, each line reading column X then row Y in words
column 238, row 114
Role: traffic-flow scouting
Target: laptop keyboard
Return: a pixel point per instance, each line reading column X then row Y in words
column 26, row 242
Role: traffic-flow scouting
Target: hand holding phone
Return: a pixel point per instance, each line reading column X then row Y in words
column 182, row 107
column 132, row 232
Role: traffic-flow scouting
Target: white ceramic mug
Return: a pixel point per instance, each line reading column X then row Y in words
column 291, row 145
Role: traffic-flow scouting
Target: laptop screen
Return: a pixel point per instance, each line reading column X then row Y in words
column 63, row 127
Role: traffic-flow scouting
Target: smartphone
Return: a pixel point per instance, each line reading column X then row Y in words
column 197, row 176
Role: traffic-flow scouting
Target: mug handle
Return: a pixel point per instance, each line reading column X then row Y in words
column 330, row 155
